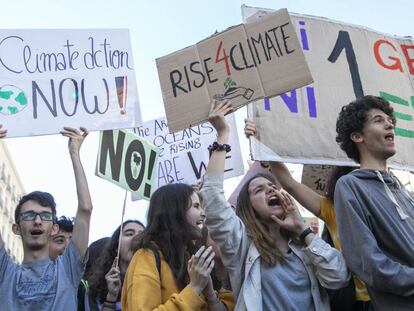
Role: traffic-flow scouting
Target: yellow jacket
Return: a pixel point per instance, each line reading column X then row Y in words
column 145, row 289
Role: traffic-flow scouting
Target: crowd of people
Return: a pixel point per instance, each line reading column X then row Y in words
column 198, row 252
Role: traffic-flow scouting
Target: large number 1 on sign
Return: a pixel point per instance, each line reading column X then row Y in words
column 344, row 42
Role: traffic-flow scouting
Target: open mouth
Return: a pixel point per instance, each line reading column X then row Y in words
column 36, row 232
column 273, row 201
column 200, row 223
column 389, row 137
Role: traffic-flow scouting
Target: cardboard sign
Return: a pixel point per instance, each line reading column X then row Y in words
column 243, row 63
column 346, row 62
column 183, row 156
column 66, row 77
column 316, row 177
column 127, row 161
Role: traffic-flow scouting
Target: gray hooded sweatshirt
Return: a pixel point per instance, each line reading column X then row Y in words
column 375, row 217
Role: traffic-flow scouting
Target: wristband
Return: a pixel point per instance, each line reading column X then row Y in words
column 219, row 147
column 304, row 234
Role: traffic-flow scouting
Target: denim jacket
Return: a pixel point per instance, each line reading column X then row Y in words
column 325, row 265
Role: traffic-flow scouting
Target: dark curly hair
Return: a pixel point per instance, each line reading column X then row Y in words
column 352, row 119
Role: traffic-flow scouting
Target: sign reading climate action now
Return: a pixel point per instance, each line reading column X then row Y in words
column 128, row 161
column 66, row 77
column 244, row 63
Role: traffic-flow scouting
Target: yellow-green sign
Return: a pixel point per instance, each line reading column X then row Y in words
column 128, row 161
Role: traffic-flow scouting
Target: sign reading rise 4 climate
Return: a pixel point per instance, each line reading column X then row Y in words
column 66, row 77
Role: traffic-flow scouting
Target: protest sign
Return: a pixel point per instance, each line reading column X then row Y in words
column 243, row 63
column 346, row 62
column 183, row 155
column 127, row 161
column 66, row 77
column 316, row 177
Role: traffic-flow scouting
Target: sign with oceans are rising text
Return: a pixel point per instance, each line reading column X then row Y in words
column 243, row 63
column 66, row 77
column 346, row 62
column 183, row 155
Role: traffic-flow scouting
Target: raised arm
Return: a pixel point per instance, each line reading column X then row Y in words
column 80, row 236
column 217, row 112
column 310, row 199
column 3, row 133
column 225, row 228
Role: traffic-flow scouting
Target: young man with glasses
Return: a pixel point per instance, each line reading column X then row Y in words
column 40, row 283
column 374, row 211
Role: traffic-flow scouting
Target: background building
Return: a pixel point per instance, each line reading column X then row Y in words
column 11, row 190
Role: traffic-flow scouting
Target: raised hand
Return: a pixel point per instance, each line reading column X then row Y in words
column 3, row 132
column 199, row 268
column 113, row 282
column 250, row 128
column 292, row 220
column 218, row 110
column 76, row 138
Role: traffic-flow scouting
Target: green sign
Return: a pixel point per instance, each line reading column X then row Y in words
column 128, row 161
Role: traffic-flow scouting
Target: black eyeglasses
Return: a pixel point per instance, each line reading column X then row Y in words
column 31, row 215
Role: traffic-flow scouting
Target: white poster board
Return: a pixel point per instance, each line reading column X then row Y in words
column 183, row 155
column 66, row 77
column 346, row 61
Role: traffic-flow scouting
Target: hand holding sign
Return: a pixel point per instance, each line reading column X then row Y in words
column 250, row 129
column 76, row 138
column 113, row 281
column 218, row 110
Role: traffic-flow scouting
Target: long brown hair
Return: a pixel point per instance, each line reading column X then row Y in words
column 168, row 230
column 258, row 231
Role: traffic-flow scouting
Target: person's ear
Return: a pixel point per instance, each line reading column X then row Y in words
column 16, row 229
column 357, row 137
